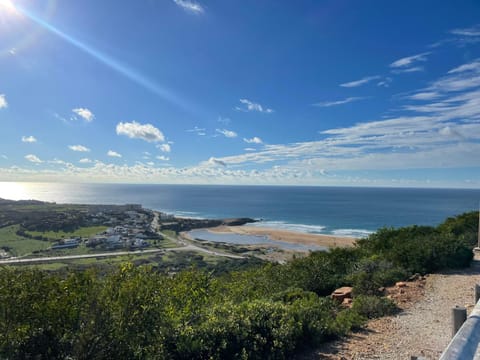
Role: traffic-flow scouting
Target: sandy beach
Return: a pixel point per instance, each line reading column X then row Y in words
column 287, row 236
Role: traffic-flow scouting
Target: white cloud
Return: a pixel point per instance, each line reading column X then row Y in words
column 428, row 95
column 227, row 133
column 84, row 113
column 254, row 140
column 165, row 148
column 162, row 158
column 135, row 130
column 409, row 60
column 79, row 148
column 214, row 162
column 3, row 101
column 473, row 66
column 472, row 31
column 198, row 131
column 252, row 106
column 33, row 158
column 190, row 6
column 385, row 82
column 85, row 161
column 441, row 131
column 338, row 102
column 112, row 153
column 29, row 139
column 408, row 70
column 360, row 82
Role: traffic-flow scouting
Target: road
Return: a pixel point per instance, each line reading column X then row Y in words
column 185, row 245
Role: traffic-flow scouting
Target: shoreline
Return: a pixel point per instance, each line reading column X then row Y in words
column 289, row 236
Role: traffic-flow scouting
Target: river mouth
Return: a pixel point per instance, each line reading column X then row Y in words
column 245, row 239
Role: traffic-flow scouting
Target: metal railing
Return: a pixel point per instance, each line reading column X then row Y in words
column 465, row 343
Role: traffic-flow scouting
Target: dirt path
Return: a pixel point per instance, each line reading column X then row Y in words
column 423, row 328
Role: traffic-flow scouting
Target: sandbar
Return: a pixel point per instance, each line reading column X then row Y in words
column 288, row 236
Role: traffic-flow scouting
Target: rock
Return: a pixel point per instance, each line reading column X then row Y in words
column 238, row 221
column 342, row 293
column 414, row 277
column 347, row 302
column 400, row 284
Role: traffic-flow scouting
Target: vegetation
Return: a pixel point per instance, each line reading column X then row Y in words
column 260, row 312
column 86, row 232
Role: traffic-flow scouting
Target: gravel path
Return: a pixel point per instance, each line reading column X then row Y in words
column 423, row 328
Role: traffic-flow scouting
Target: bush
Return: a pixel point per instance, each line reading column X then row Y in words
column 372, row 306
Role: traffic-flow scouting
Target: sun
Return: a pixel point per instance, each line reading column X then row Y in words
column 7, row 7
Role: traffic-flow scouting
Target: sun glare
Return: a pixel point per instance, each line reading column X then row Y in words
column 7, row 7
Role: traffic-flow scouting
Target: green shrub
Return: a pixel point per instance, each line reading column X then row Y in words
column 373, row 306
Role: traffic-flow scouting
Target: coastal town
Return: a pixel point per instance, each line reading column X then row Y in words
column 36, row 232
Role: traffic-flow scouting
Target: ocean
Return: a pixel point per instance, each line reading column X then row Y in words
column 322, row 210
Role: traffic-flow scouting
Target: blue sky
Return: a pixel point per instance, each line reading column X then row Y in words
column 349, row 93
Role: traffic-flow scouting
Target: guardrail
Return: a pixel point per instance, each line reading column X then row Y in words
column 465, row 344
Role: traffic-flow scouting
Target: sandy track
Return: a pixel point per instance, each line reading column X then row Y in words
column 422, row 329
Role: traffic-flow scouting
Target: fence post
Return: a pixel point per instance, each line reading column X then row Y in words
column 459, row 314
column 476, row 293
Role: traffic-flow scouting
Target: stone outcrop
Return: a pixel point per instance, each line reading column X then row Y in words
column 342, row 293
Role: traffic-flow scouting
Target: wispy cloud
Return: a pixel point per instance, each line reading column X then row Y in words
column 428, row 95
column 338, row 102
column 33, row 158
column 409, row 61
column 224, row 121
column 29, row 139
column 360, row 82
column 252, row 106
column 3, row 101
column 190, row 6
column 165, row 148
column 112, row 153
column 473, row 66
column 254, row 140
column 443, row 132
column 162, row 158
column 227, row 133
column 79, row 148
column 84, row 113
column 385, row 82
column 408, row 70
column 471, row 31
column 198, row 131
column 135, row 130
column 85, row 161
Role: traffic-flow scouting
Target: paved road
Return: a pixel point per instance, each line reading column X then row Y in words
column 85, row 256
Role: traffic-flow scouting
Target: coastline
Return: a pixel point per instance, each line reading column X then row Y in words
column 287, row 235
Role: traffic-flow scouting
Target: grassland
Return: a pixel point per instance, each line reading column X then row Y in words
column 19, row 245
column 58, row 235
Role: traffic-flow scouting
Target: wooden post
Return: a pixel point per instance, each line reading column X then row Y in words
column 476, row 295
column 459, row 315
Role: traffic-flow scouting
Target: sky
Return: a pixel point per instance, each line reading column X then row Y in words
column 270, row 92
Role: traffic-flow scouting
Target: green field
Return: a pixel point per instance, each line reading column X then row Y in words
column 81, row 232
column 19, row 245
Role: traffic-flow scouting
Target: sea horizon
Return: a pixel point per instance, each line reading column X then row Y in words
column 342, row 211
